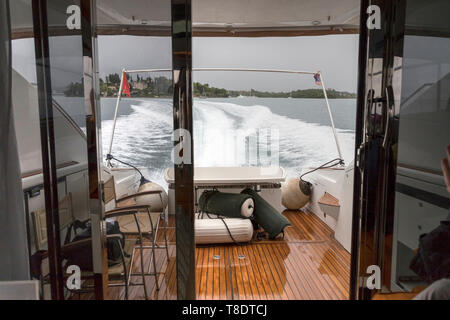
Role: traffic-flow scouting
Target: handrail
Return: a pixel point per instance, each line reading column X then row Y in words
column 34, row 180
column 124, row 71
column 69, row 118
column 427, row 84
column 421, row 169
column 39, row 171
column 226, row 69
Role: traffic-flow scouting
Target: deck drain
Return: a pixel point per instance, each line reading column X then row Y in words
column 241, row 257
column 216, row 257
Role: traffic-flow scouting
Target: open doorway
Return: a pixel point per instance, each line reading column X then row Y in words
column 264, row 106
column 274, row 98
column 206, row 149
column 260, row 102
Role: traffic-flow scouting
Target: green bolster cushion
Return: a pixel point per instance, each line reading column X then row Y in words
column 267, row 216
column 232, row 205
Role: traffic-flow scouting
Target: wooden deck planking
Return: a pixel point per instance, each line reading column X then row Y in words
column 307, row 264
column 301, row 280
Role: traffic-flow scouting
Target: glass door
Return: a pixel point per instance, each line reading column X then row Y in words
column 183, row 137
column 144, row 67
column 70, row 229
column 404, row 115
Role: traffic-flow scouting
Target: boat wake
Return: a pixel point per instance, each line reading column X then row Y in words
column 225, row 134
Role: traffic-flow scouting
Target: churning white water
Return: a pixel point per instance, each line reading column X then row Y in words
column 292, row 133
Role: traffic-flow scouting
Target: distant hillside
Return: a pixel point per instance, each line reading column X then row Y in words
column 204, row 90
column 162, row 87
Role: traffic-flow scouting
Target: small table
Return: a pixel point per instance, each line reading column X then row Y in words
column 233, row 179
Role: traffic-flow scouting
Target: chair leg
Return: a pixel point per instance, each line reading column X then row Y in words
column 154, row 263
column 126, row 289
column 153, row 250
column 165, row 237
column 165, row 225
column 142, row 257
column 126, row 275
column 143, row 271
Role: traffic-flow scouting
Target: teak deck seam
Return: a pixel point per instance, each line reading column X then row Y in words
column 307, row 264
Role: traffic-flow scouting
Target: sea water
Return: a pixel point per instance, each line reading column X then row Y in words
column 223, row 126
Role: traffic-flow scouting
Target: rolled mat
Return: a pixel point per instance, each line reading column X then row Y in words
column 223, row 230
column 232, row 205
column 267, row 216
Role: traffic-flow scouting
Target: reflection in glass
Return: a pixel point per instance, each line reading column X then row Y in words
column 421, row 199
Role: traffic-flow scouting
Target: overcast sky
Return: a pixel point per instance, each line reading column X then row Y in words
column 336, row 56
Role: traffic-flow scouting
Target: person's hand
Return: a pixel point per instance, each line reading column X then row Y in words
column 446, row 168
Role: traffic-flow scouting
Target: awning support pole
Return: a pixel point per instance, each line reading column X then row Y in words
column 227, row 69
column 331, row 117
column 119, row 95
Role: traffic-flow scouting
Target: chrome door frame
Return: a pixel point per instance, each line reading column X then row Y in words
column 93, row 125
column 375, row 138
column 184, row 172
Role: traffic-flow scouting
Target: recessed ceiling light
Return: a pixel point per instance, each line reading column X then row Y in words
column 315, row 23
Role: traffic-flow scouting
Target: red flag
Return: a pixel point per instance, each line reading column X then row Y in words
column 125, row 85
column 317, row 79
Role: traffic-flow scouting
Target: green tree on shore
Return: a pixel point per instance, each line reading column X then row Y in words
column 162, row 87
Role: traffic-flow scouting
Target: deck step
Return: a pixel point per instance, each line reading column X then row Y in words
column 329, row 200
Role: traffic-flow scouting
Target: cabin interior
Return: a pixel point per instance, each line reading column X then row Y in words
column 82, row 204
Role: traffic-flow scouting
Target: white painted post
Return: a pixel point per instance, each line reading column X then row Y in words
column 331, row 116
column 119, row 95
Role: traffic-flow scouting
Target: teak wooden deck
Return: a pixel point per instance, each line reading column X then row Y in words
column 307, row 264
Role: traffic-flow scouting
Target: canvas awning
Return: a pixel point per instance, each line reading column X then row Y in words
column 243, row 18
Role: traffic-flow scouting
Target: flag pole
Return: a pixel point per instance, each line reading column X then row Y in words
column 331, row 115
column 119, row 96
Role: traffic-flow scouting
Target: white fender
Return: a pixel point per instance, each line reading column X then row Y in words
column 291, row 196
column 154, row 200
